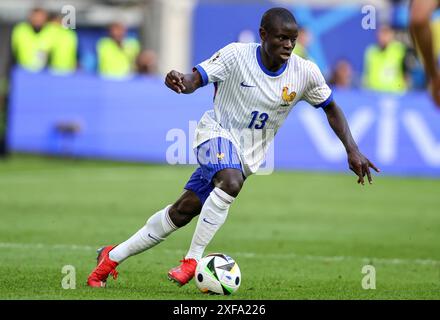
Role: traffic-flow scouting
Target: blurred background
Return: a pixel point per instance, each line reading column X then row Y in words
column 95, row 89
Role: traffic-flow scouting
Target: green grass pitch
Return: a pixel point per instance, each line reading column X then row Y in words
column 295, row 235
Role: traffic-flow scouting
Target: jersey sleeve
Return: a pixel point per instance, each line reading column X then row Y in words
column 318, row 93
column 219, row 66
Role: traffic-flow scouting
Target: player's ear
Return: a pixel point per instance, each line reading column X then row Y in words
column 263, row 34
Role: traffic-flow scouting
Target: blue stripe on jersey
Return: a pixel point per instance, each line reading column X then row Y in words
column 267, row 71
column 326, row 102
column 203, row 73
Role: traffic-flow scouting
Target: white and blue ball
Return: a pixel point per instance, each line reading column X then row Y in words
column 218, row 273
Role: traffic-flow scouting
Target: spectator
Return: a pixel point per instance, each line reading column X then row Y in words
column 384, row 63
column 342, row 75
column 30, row 42
column 117, row 54
column 416, row 75
column 64, row 43
column 146, row 62
column 302, row 43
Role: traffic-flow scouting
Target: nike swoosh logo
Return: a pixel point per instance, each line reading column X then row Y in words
column 213, row 224
column 246, row 85
column 154, row 238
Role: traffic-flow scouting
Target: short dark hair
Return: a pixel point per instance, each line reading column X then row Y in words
column 272, row 15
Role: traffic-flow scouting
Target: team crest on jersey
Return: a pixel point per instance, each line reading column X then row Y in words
column 220, row 156
column 287, row 97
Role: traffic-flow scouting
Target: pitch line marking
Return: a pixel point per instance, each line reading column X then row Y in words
column 250, row 255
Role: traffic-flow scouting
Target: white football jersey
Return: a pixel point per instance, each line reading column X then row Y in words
column 252, row 102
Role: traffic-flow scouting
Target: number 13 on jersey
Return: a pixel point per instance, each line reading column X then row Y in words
column 262, row 117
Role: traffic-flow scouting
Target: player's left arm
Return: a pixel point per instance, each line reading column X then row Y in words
column 358, row 163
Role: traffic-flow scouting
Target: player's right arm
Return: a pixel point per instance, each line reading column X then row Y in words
column 183, row 83
column 420, row 16
column 215, row 69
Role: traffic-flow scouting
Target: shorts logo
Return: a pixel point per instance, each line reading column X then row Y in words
column 220, row 156
column 287, row 97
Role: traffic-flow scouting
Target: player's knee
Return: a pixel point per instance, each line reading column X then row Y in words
column 229, row 181
column 232, row 186
column 177, row 217
column 182, row 212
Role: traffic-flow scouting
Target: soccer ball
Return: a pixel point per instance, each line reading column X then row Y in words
column 217, row 273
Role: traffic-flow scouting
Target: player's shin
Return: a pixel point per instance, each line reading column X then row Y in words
column 213, row 215
column 157, row 228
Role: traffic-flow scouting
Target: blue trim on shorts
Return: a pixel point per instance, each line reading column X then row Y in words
column 213, row 156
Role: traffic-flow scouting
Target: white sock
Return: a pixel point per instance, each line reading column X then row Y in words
column 213, row 215
column 157, row 228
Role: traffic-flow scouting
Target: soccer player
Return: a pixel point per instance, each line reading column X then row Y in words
column 256, row 86
column 420, row 16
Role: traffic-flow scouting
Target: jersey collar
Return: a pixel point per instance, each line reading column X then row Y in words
column 267, row 71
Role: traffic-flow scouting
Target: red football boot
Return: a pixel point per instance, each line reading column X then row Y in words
column 98, row 277
column 183, row 273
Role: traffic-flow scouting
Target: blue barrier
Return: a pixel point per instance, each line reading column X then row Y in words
column 142, row 120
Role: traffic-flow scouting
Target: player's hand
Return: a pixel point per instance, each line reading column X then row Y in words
column 174, row 81
column 360, row 165
column 435, row 89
